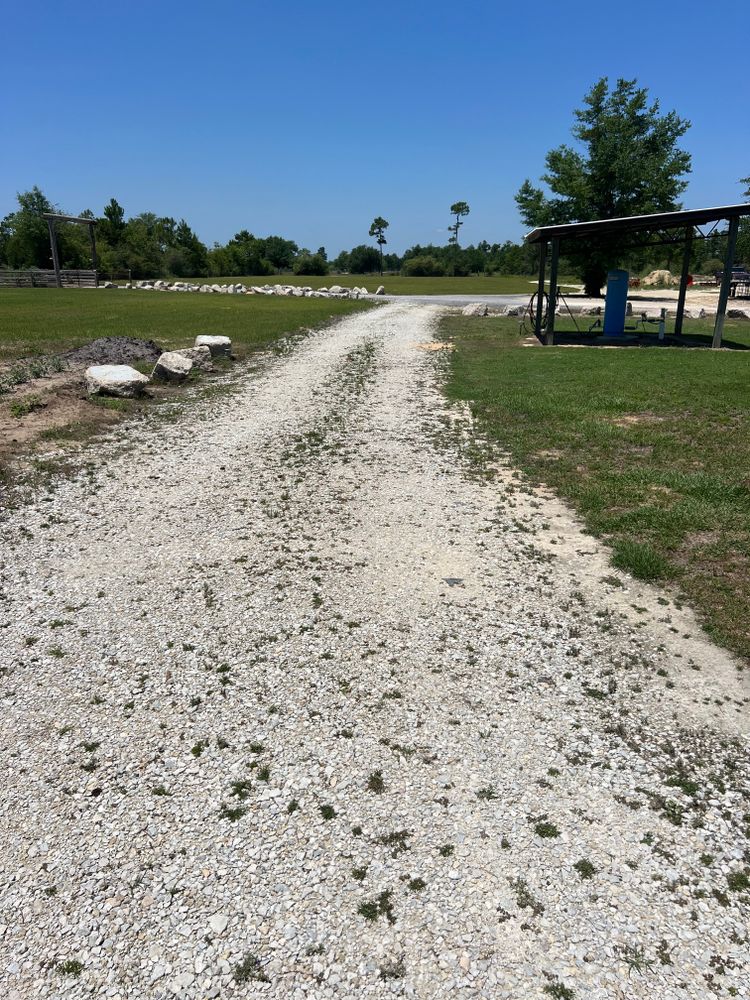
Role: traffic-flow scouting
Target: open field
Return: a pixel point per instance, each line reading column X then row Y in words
column 42, row 321
column 395, row 284
column 651, row 446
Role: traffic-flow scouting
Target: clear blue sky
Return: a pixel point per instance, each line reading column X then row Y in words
column 308, row 119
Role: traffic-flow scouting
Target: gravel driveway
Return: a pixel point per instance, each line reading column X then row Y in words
column 307, row 695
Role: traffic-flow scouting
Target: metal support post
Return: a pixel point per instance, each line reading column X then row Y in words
column 55, row 251
column 726, row 280
column 549, row 335
column 683, row 281
column 540, row 290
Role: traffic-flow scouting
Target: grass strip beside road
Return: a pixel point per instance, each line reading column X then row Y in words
column 36, row 321
column 650, row 445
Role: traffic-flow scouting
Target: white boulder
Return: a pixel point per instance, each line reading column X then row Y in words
column 218, row 346
column 114, row 380
column 475, row 309
column 172, row 366
column 200, row 357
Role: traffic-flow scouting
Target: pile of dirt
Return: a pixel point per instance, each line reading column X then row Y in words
column 113, row 351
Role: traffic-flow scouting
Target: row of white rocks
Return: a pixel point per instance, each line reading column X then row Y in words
column 334, row 292
column 577, row 309
column 171, row 366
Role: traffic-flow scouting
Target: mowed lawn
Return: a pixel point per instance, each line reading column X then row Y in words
column 500, row 284
column 650, row 445
column 37, row 321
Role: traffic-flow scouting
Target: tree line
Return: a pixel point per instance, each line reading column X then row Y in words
column 152, row 246
column 626, row 161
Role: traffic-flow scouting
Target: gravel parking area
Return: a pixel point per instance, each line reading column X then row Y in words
column 306, row 694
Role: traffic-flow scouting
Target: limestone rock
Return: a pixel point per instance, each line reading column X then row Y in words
column 172, row 366
column 660, row 277
column 218, row 346
column 200, row 356
column 475, row 309
column 114, row 380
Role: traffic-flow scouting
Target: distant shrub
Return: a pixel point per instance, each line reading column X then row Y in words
column 311, row 263
column 423, row 267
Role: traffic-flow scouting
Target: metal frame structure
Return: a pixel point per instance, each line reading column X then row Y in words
column 52, row 220
column 660, row 229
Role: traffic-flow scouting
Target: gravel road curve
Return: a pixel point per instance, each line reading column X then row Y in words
column 307, row 694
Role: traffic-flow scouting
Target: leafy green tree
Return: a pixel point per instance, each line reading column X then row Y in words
column 377, row 229
column 278, row 251
column 460, row 209
column 341, row 263
column 310, row 263
column 24, row 234
column 628, row 162
column 363, row 260
column 111, row 225
column 423, row 266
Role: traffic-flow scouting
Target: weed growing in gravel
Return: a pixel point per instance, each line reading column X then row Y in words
column 417, row 884
column 634, row 957
column 397, row 840
column 90, row 766
column 264, row 773
column 90, row 747
column 375, row 782
column 241, row 789
column 382, row 906
column 663, row 953
column 292, row 806
column 585, row 868
column 359, row 874
column 525, row 898
column 232, row 813
column 257, row 748
column 738, row 881
column 64, row 730
column 559, row 990
column 327, row 812
column 56, row 651
column 487, row 794
column 197, row 749
column 314, row 949
column 160, row 790
column 70, row 967
column 446, row 850
column 546, row 830
column 250, row 970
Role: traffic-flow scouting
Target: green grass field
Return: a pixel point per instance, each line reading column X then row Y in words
column 47, row 320
column 500, row 284
column 650, row 445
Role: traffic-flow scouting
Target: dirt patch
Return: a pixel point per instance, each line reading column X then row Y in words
column 113, row 351
column 632, row 419
column 52, row 405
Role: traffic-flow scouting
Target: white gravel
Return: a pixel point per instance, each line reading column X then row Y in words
column 321, row 574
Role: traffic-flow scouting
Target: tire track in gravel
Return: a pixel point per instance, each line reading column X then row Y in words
column 305, row 695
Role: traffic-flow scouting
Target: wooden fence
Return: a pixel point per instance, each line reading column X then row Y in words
column 46, row 279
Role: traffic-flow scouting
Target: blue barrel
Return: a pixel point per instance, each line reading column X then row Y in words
column 616, row 303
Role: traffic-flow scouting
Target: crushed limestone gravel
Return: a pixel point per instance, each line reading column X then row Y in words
column 307, row 694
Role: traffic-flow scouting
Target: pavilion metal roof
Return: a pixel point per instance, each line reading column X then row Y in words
column 660, row 220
